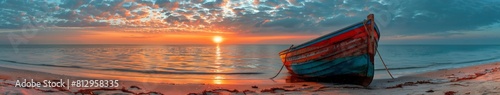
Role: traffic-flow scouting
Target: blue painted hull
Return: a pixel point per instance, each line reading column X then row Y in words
column 355, row 65
column 350, row 70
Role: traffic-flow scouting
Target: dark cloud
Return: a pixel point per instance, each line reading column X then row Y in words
column 428, row 16
column 69, row 15
column 73, row 4
column 15, row 14
column 285, row 23
column 81, row 24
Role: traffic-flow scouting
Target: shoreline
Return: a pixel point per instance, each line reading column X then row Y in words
column 478, row 79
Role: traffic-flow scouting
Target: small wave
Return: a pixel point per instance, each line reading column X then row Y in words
column 131, row 70
column 438, row 64
column 462, row 62
column 48, row 65
column 470, row 61
column 176, row 69
column 166, row 72
column 401, row 68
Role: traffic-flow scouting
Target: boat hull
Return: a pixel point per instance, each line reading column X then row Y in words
column 351, row 70
column 345, row 56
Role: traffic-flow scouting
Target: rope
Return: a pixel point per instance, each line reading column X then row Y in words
column 376, row 50
column 283, row 64
column 380, row 56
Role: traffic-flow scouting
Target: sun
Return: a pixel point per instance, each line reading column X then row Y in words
column 217, row 39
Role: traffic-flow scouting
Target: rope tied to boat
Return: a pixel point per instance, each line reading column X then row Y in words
column 375, row 44
column 283, row 63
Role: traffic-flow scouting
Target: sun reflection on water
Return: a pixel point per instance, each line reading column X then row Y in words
column 218, row 79
column 217, row 53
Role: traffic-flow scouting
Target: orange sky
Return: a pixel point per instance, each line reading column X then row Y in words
column 103, row 36
column 141, row 38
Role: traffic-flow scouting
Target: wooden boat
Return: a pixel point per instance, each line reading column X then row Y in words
column 346, row 55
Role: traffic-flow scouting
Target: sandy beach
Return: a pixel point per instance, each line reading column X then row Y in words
column 481, row 79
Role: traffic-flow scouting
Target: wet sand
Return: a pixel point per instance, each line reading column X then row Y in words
column 473, row 80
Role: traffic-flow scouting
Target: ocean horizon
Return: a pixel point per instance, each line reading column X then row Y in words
column 192, row 63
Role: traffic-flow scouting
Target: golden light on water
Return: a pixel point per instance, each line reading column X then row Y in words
column 217, row 39
column 217, row 52
column 218, row 80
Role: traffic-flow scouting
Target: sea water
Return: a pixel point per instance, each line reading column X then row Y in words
column 209, row 63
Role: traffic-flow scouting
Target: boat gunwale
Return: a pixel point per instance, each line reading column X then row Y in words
column 324, row 37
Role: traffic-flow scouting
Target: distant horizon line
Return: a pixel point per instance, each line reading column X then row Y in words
column 241, row 44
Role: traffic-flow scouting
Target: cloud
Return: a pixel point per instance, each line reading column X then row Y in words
column 428, row 16
column 395, row 17
column 81, row 24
